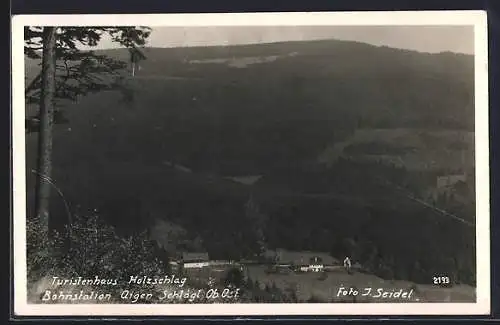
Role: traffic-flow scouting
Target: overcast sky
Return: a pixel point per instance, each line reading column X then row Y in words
column 432, row 39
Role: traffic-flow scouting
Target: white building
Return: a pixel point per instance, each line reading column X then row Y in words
column 195, row 260
column 450, row 180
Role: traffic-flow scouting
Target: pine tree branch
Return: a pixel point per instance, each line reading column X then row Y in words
column 82, row 72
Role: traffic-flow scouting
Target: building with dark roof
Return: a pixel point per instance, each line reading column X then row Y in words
column 195, row 260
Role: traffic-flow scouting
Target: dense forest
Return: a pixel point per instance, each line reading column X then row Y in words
column 391, row 235
column 272, row 119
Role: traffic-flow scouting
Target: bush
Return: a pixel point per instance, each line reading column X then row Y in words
column 44, row 254
column 235, row 278
column 86, row 249
column 95, row 248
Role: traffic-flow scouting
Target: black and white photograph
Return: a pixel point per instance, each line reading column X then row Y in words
column 240, row 164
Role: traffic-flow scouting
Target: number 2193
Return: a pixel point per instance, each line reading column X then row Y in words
column 441, row 280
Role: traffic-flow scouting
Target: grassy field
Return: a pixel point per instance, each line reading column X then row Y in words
column 415, row 149
column 311, row 285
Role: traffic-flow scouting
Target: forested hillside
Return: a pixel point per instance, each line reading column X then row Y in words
column 272, row 110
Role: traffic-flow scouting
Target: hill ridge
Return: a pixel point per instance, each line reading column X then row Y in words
column 296, row 42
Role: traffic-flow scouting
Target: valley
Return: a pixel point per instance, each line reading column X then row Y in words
column 306, row 138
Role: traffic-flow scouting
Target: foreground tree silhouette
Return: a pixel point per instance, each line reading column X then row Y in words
column 136, row 57
column 67, row 73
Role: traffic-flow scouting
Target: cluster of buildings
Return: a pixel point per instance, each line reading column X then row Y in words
column 278, row 260
column 199, row 260
column 304, row 261
column 450, row 184
column 446, row 181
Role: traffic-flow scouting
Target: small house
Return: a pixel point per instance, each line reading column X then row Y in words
column 312, row 267
column 447, row 184
column 450, row 180
column 302, row 257
column 315, row 265
column 303, row 261
column 195, row 260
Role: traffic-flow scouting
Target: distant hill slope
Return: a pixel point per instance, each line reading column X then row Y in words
column 289, row 108
column 416, row 149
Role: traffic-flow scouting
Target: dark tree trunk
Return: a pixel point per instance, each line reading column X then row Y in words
column 46, row 126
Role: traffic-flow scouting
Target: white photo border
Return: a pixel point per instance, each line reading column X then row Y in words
column 477, row 19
